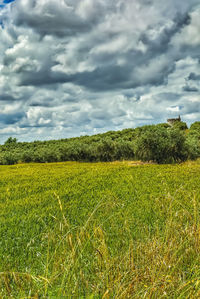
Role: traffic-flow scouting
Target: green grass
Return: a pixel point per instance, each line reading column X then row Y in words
column 101, row 230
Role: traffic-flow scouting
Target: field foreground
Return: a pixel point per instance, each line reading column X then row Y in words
column 101, row 230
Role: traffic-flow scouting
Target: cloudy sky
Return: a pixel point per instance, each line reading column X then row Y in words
column 76, row 67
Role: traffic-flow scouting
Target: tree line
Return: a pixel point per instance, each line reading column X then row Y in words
column 160, row 143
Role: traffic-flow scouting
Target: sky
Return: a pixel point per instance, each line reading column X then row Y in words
column 82, row 67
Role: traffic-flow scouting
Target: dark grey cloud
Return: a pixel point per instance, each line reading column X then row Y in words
column 48, row 102
column 86, row 66
column 8, row 98
column 188, row 88
column 162, row 42
column 11, row 118
column 193, row 76
column 69, row 18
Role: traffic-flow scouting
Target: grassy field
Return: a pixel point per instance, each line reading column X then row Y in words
column 101, row 230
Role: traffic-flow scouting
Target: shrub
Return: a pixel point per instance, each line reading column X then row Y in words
column 11, row 141
column 10, row 158
column 180, row 125
column 161, row 145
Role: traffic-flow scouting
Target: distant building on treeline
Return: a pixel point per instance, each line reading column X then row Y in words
column 171, row 121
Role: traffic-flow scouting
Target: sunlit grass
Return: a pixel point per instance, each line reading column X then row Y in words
column 102, row 230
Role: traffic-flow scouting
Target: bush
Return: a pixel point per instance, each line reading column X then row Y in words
column 195, row 126
column 11, row 141
column 178, row 148
column 180, row 125
column 153, row 145
column 27, row 157
column 2, row 159
column 124, row 150
column 10, row 158
column 193, row 148
column 161, row 145
column 106, row 150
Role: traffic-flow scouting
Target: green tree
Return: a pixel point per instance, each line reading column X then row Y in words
column 11, row 141
column 195, row 126
column 180, row 125
column 161, row 145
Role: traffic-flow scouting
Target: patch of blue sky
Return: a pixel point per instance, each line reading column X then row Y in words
column 8, row 1
column 4, row 2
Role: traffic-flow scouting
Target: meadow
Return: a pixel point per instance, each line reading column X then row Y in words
column 100, row 230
